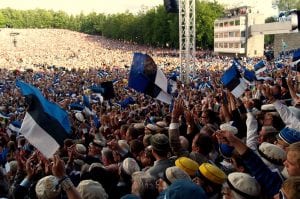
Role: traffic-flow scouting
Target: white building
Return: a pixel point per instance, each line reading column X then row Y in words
column 231, row 33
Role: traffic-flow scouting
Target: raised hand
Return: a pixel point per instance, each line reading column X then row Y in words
column 178, row 108
column 290, row 80
column 248, row 104
column 267, row 92
column 30, row 167
column 188, row 117
column 58, row 167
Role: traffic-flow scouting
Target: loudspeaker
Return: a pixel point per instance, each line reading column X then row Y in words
column 171, row 6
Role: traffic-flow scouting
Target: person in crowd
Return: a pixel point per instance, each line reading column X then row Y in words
column 160, row 148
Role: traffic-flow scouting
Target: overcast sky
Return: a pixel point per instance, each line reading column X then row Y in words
column 115, row 6
column 76, row 6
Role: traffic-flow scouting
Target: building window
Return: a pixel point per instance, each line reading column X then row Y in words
column 231, row 34
column 243, row 21
column 225, row 45
column 236, row 45
column 243, row 45
column 221, row 35
column 216, row 35
column 226, row 24
column 237, row 22
column 216, row 45
column 231, row 23
column 243, row 34
column 237, row 34
column 221, row 45
column 230, row 45
column 221, row 24
column 225, row 34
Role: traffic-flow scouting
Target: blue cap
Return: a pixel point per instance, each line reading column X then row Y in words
column 130, row 196
column 226, row 150
column 289, row 135
column 181, row 189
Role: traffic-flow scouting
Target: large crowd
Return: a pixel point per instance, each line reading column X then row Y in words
column 207, row 144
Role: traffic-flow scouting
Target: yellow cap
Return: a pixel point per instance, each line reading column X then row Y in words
column 212, row 173
column 188, row 165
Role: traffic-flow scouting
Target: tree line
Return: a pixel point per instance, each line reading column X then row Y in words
column 153, row 27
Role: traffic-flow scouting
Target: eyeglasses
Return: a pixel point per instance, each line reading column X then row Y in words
column 281, row 195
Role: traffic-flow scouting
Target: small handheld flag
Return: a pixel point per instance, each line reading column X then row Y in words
column 232, row 80
column 146, row 78
column 260, row 67
column 296, row 57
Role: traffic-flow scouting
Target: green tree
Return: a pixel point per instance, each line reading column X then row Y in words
column 60, row 20
column 206, row 14
column 285, row 5
column 269, row 39
column 2, row 20
column 92, row 23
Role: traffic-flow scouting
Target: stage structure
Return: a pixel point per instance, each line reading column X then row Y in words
column 187, row 38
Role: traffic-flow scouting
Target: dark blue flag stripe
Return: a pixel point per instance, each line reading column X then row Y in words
column 46, row 121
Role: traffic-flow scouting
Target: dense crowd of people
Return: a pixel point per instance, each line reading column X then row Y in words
column 22, row 48
column 207, row 144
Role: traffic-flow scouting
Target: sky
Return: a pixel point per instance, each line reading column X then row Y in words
column 117, row 6
column 87, row 6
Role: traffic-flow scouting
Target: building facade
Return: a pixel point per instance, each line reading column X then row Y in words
column 231, row 34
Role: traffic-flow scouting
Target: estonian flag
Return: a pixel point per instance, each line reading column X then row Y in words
column 4, row 116
column 97, row 89
column 86, row 102
column 106, row 89
column 102, row 74
column 296, row 57
column 87, row 106
column 76, row 106
column 14, row 127
column 249, row 75
column 237, row 63
column 260, row 67
column 126, row 102
column 233, row 81
column 146, row 78
column 45, row 125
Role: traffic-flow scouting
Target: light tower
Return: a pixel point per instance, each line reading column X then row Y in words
column 187, row 38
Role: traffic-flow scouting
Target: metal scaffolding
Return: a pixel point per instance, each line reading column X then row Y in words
column 187, row 38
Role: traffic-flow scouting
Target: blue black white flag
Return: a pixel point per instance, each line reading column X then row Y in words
column 126, row 102
column 45, row 125
column 260, row 67
column 76, row 106
column 14, row 127
column 296, row 57
column 249, row 75
column 233, row 81
column 106, row 89
column 146, row 77
column 4, row 116
column 87, row 106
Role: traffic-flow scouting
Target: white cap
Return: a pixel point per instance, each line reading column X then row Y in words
column 243, row 184
column 228, row 127
column 79, row 116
